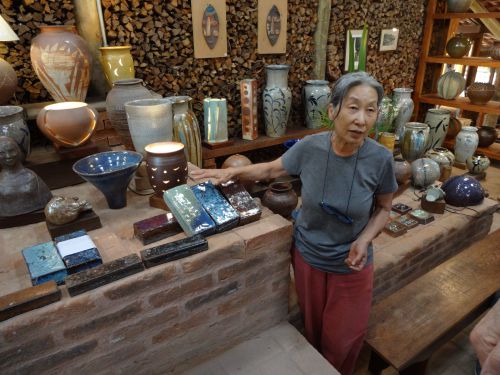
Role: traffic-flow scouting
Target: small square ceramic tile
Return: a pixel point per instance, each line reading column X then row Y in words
column 44, row 263
column 395, row 229
column 401, row 208
column 78, row 251
column 423, row 217
column 407, row 221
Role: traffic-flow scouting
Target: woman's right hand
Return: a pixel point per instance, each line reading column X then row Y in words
column 216, row 176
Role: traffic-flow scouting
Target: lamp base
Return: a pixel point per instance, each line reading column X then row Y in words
column 158, row 202
column 8, row 82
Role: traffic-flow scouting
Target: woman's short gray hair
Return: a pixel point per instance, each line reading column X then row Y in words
column 350, row 80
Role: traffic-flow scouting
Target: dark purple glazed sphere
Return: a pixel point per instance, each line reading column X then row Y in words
column 463, row 191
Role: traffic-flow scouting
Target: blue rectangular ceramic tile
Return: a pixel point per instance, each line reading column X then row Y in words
column 224, row 215
column 188, row 211
column 44, row 263
column 78, row 251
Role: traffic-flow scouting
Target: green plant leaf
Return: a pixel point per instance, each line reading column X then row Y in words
column 362, row 49
column 350, row 68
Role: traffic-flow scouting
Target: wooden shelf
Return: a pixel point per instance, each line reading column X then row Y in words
column 493, row 151
column 470, row 61
column 262, row 141
column 492, row 107
column 443, row 16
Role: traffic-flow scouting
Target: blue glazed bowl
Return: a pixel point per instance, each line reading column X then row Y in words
column 110, row 172
column 288, row 144
column 462, row 191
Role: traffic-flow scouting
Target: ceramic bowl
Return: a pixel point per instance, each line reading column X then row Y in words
column 462, row 191
column 480, row 92
column 110, row 172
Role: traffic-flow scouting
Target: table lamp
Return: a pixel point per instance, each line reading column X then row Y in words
column 8, row 78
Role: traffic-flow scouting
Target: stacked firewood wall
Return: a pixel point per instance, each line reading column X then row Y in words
column 392, row 68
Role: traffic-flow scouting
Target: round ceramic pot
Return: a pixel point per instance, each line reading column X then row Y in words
column 124, row 91
column 316, row 97
column 458, row 46
column 480, row 92
column 8, row 78
column 149, row 121
column 277, row 99
column 12, row 124
column 402, row 170
column 424, row 172
column 414, row 140
column 67, row 124
column 454, row 128
column 462, row 191
column 477, row 163
column 166, row 165
column 458, row 6
column 445, row 160
column 280, row 198
column 438, row 121
column 117, row 63
column 495, row 50
column 385, row 118
column 186, row 128
column 466, row 143
column 487, row 136
column 61, row 59
column 450, row 85
column 403, row 103
column 236, row 161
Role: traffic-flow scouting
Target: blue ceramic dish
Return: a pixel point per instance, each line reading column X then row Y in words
column 288, row 144
column 463, row 191
column 110, row 172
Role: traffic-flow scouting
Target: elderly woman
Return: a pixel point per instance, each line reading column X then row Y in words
column 347, row 187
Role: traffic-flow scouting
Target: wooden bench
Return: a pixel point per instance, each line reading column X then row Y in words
column 409, row 325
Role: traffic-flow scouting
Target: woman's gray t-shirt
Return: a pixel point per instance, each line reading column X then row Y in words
column 322, row 239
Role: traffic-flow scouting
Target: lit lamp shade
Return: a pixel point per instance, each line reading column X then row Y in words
column 8, row 78
column 67, row 124
column 166, row 165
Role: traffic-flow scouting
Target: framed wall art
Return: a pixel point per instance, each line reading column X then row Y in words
column 209, row 28
column 356, row 36
column 389, row 39
column 272, row 26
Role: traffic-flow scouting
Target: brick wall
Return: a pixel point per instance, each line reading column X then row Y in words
column 165, row 319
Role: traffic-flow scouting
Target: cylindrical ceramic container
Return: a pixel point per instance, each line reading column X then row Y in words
column 186, row 129
column 215, row 120
column 466, row 143
column 277, row 99
column 117, row 63
column 403, row 103
column 316, row 96
column 414, row 140
column 438, row 121
column 249, row 116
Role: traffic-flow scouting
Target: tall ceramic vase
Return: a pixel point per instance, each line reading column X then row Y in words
column 124, row 91
column 277, row 99
column 215, row 120
column 403, row 103
column 117, row 63
column 385, row 119
column 316, row 96
column 186, row 128
column 438, row 121
column 150, row 121
column 414, row 140
column 466, row 143
column 249, row 117
column 62, row 60
column 12, row 124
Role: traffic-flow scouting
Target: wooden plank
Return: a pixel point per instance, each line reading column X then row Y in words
column 406, row 326
column 241, row 145
column 493, row 151
column 442, row 16
column 470, row 61
column 492, row 107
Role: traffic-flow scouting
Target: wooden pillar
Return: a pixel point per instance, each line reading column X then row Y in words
column 87, row 23
column 491, row 119
column 321, row 38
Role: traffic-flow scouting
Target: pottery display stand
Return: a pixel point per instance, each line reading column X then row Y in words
column 87, row 220
column 24, row 219
column 88, row 148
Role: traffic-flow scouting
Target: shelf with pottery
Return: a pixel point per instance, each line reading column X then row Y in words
column 493, row 151
column 469, row 61
column 492, row 107
column 444, row 16
column 263, row 141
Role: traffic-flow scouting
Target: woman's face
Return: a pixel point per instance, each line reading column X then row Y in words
column 357, row 115
column 9, row 154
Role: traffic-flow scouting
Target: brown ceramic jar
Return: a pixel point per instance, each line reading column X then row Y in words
column 487, row 135
column 280, row 198
column 166, row 165
column 402, row 170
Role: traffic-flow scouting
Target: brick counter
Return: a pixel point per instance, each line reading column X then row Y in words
column 165, row 319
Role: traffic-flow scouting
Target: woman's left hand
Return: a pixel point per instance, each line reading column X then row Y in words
column 358, row 255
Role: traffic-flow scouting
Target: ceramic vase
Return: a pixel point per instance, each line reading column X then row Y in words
column 61, row 59
column 385, row 119
column 124, row 91
column 414, row 140
column 487, row 135
column 403, row 103
column 150, row 121
column 458, row 6
column 388, row 140
column 424, row 172
column 438, row 121
column 166, row 165
column 215, row 120
column 495, row 50
column 249, row 117
column 316, row 97
column 477, row 163
column 454, row 128
column 445, row 160
column 12, row 124
column 466, row 143
column 277, row 99
column 186, row 128
column 458, row 46
column 117, row 63
column 402, row 170
column 68, row 124
column 280, row 198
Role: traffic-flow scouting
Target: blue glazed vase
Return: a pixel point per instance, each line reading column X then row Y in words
column 277, row 100
column 462, row 191
column 110, row 172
